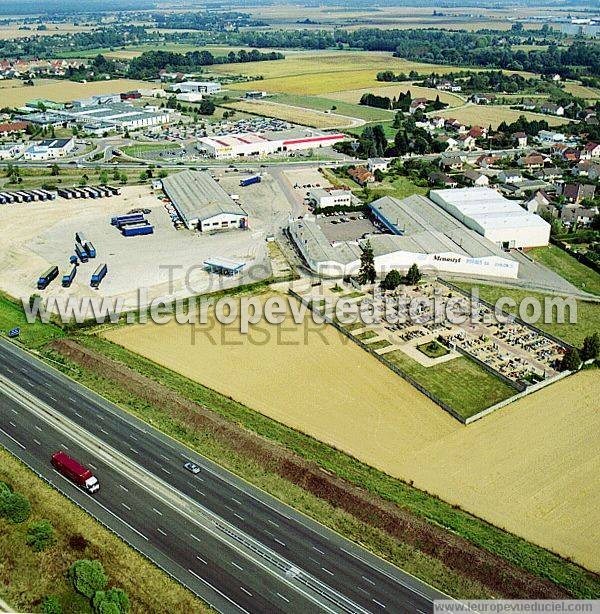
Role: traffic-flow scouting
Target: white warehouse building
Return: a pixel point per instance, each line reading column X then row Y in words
column 197, row 87
column 501, row 221
column 49, row 149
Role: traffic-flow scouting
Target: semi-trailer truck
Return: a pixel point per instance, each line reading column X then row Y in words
column 75, row 472
column 86, row 245
column 81, row 253
column 250, row 180
column 99, row 275
column 134, row 230
column 46, row 277
column 129, row 218
column 68, row 277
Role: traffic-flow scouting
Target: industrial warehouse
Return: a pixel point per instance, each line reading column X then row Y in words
column 502, row 221
column 421, row 232
column 202, row 203
column 254, row 144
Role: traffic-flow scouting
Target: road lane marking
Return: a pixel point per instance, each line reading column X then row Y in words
column 12, row 423
column 53, row 398
column 238, row 516
column 165, row 457
column 165, row 470
column 327, row 571
column 123, row 487
column 378, row 603
column 273, row 523
column 237, row 605
column 159, row 513
column 369, row 581
column 245, row 591
column 65, row 447
column 93, row 467
column 36, row 441
column 161, row 531
column 234, row 499
column 318, row 549
column 78, row 414
column 103, row 431
column 279, row 541
column 282, row 597
column 196, row 538
column 133, row 437
column 133, row 450
column 37, row 427
column 201, row 560
column 200, row 492
column 14, row 411
column 125, row 506
column 13, row 439
column 236, row 565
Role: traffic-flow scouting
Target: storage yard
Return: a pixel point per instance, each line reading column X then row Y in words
column 536, row 488
column 134, row 253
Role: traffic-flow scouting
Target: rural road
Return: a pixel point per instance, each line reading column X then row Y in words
column 232, row 544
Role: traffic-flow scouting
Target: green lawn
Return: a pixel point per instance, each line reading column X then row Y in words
column 387, row 125
column 588, row 313
column 379, row 345
column 32, row 335
column 461, row 383
column 370, row 114
column 568, row 267
column 140, row 148
column 368, row 334
column 433, row 349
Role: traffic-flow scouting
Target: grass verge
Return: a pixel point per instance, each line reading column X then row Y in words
column 527, row 556
column 473, row 388
column 27, row 577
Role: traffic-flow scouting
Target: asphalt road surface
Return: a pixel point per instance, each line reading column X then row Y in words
column 232, row 544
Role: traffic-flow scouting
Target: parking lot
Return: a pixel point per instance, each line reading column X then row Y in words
column 48, row 237
column 346, row 226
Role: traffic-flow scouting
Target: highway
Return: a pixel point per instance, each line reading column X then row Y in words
column 232, row 544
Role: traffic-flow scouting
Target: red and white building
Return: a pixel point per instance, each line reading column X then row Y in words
column 260, row 145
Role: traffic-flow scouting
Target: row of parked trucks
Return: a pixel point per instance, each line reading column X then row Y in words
column 84, row 250
column 98, row 191
column 25, row 196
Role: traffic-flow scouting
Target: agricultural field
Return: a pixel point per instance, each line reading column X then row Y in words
column 537, row 488
column 305, row 117
column 568, row 267
column 394, row 89
column 582, row 91
column 494, row 115
column 13, row 31
column 336, row 106
column 63, row 91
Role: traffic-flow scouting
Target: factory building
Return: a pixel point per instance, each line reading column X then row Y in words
column 49, row 149
column 501, row 221
column 421, row 233
column 254, row 144
column 197, row 87
column 202, row 203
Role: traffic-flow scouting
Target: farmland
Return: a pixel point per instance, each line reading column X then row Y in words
column 306, row 117
column 63, row 91
column 533, row 497
column 393, row 90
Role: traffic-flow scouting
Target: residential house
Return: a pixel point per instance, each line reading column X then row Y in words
column 483, row 98
column 549, row 174
column 591, row 150
column 378, row 164
column 442, row 179
column 49, row 149
column 437, row 122
column 452, row 163
column 576, row 192
column 541, row 203
column 576, row 215
column 417, row 104
column 510, row 176
column 552, row 109
column 477, row 132
column 520, row 139
column 450, row 143
column 455, row 125
column 532, row 161
column 594, row 172
column 361, row 175
column 485, row 161
column 529, row 105
column 12, row 128
column 475, row 178
column 466, row 141
column 549, row 136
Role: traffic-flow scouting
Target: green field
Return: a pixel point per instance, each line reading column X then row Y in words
column 369, row 114
column 588, row 313
column 388, row 129
column 140, row 148
column 568, row 267
column 473, row 388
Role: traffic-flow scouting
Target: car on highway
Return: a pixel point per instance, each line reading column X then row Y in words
column 192, row 467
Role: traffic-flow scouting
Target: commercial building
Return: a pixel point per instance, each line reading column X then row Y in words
column 198, row 87
column 202, row 203
column 189, row 97
column 321, row 198
column 255, row 144
column 49, row 149
column 114, row 116
column 501, row 221
column 9, row 151
column 420, row 232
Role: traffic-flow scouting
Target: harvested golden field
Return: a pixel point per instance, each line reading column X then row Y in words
column 393, row 90
column 12, row 31
column 305, row 117
column 532, row 468
column 62, row 91
column 486, row 115
column 582, row 91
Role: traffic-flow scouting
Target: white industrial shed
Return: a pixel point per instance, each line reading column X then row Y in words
column 202, row 203
column 502, row 221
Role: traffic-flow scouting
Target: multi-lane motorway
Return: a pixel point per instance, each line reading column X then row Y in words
column 230, row 543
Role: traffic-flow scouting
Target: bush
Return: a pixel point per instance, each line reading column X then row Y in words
column 13, row 506
column 392, row 280
column 87, row 577
column 51, row 605
column 40, row 535
column 104, row 602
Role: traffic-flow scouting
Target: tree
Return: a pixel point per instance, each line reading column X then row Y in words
column 591, row 347
column 87, row 577
column 40, row 535
column 55, row 171
column 392, row 280
column 144, row 176
column 413, row 277
column 51, row 605
column 116, row 597
column 571, row 360
column 367, row 273
column 103, row 177
column 13, row 506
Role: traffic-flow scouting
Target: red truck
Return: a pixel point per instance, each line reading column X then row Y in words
column 77, row 473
